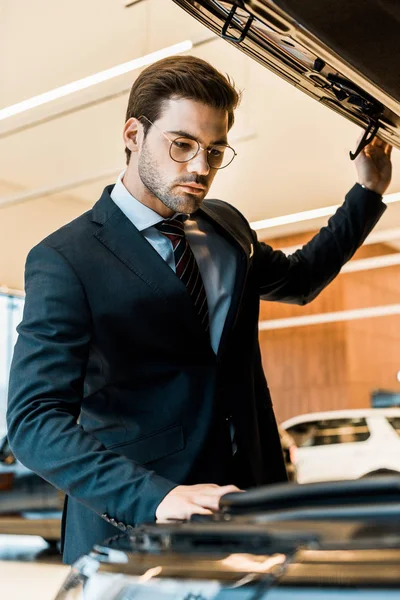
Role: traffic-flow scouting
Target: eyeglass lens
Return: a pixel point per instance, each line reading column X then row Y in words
column 184, row 149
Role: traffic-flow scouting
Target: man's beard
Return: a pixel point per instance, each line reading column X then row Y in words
column 154, row 180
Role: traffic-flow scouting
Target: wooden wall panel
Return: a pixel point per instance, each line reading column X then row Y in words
column 373, row 345
column 336, row 365
column 331, row 299
column 305, row 368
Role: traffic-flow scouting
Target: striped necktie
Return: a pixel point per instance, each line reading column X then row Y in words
column 186, row 267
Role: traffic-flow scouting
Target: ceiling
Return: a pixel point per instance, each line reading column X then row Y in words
column 292, row 152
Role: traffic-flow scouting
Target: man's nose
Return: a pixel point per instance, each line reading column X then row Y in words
column 199, row 164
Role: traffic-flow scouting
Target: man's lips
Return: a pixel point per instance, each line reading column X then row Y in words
column 193, row 186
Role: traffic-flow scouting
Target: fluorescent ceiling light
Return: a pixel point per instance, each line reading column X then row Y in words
column 390, row 198
column 362, row 264
column 374, row 262
column 82, row 84
column 308, row 215
column 331, row 317
column 375, row 237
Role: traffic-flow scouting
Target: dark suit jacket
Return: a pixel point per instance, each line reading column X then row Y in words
column 115, row 394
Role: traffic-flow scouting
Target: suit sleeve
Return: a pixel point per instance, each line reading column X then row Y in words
column 45, row 392
column 300, row 277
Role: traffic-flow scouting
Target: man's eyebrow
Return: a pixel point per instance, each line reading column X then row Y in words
column 185, row 134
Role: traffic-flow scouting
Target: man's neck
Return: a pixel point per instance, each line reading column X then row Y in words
column 136, row 188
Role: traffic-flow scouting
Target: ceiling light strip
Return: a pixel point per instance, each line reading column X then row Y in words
column 39, row 193
column 374, row 262
column 375, row 237
column 331, row 317
column 91, row 80
column 309, row 215
column 306, row 215
column 363, row 264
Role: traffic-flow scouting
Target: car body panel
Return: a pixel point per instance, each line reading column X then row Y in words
column 245, row 555
column 336, row 51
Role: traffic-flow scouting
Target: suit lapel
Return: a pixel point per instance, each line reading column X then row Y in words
column 238, row 237
column 126, row 242
column 234, row 234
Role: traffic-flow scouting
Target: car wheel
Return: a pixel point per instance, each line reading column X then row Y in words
column 387, row 472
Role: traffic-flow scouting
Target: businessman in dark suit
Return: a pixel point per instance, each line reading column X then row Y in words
column 137, row 386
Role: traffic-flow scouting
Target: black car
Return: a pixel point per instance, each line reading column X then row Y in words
column 343, row 53
column 325, row 541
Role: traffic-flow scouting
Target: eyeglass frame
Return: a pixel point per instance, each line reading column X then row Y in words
column 200, row 147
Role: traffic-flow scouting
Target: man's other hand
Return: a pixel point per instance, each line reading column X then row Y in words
column 374, row 168
column 186, row 500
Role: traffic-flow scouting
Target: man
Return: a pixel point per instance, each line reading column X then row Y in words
column 137, row 386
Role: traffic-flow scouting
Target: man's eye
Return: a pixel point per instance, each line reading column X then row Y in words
column 217, row 152
column 182, row 145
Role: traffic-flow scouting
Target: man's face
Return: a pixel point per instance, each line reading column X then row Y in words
column 181, row 186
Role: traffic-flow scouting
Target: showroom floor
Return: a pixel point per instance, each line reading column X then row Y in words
column 28, row 568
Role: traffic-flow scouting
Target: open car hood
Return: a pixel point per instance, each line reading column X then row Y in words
column 326, row 541
column 343, row 53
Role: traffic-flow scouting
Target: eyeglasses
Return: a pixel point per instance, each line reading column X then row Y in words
column 183, row 149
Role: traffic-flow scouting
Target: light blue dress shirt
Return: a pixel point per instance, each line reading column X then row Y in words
column 216, row 257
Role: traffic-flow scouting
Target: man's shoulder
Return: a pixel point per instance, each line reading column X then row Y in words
column 80, row 229
column 71, row 241
column 71, row 233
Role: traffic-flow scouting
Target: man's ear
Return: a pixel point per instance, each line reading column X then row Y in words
column 132, row 134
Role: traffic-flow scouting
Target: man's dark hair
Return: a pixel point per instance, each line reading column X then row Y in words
column 180, row 77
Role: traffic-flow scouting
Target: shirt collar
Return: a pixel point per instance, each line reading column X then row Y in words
column 139, row 214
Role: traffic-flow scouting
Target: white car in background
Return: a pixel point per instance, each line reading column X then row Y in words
column 346, row 444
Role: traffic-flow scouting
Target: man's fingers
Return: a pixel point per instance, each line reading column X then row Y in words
column 207, row 501
column 210, row 499
column 184, row 501
column 388, row 150
column 376, row 144
column 228, row 489
column 377, row 141
column 186, row 513
column 195, row 509
column 219, row 490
